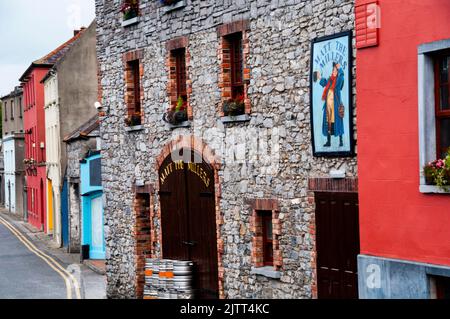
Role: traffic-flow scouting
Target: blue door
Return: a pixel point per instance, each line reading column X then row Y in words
column 65, row 215
column 93, row 232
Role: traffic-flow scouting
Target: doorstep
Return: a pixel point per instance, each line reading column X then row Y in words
column 98, row 266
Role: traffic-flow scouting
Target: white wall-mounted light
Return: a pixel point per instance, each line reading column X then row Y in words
column 98, row 106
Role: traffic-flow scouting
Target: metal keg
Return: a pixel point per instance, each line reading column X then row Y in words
column 182, row 282
column 185, row 294
column 182, row 268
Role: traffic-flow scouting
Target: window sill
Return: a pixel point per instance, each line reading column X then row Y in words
column 181, row 125
column 235, row 119
column 173, row 7
column 431, row 189
column 135, row 128
column 268, row 272
column 132, row 21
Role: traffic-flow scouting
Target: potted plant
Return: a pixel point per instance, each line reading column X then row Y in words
column 178, row 114
column 438, row 173
column 234, row 107
column 130, row 9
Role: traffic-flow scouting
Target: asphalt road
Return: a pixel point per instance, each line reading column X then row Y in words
column 23, row 275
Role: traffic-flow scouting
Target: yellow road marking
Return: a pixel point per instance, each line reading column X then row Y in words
column 49, row 260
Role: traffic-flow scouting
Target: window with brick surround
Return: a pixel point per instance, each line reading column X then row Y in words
column 234, row 74
column 180, row 71
column 134, row 71
column 237, row 65
column 134, row 89
column 143, row 228
column 179, row 86
column 266, row 231
column 267, row 234
column 442, row 105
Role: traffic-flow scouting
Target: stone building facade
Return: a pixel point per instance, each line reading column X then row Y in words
column 279, row 176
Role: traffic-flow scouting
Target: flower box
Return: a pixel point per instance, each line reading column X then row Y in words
column 130, row 11
column 234, row 107
column 437, row 173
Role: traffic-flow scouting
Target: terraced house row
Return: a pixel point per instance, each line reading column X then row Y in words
column 50, row 125
column 288, row 149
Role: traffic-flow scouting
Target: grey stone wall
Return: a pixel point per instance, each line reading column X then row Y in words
column 76, row 150
column 280, row 35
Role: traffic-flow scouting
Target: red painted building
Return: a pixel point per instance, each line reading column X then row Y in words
column 34, row 128
column 403, row 63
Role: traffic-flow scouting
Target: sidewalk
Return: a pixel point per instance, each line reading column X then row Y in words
column 93, row 284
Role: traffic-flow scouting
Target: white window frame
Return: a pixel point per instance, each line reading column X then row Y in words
column 427, row 114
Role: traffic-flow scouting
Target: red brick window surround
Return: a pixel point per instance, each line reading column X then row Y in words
column 234, row 72
column 134, row 93
column 142, row 233
column 179, row 86
column 266, row 229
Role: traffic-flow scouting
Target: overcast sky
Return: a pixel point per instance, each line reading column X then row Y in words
column 29, row 29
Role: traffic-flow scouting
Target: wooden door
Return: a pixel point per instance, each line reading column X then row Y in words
column 337, row 242
column 174, row 217
column 188, row 220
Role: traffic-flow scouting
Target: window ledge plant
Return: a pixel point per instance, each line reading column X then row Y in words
column 177, row 115
column 130, row 9
column 438, row 173
column 234, row 107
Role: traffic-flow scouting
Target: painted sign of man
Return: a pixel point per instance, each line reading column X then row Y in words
column 333, row 109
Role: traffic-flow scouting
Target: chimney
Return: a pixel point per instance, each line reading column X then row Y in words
column 75, row 32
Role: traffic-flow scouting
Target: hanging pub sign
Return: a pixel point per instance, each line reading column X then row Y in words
column 331, row 95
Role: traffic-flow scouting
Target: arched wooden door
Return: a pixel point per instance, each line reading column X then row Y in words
column 188, row 220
